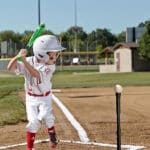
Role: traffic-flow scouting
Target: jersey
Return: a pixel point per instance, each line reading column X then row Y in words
column 32, row 84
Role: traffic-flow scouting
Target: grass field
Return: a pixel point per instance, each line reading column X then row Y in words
column 79, row 87
column 9, row 87
column 94, row 79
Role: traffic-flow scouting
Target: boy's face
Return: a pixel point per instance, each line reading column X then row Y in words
column 52, row 58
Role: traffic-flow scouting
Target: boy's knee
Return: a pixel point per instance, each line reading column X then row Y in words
column 33, row 125
column 49, row 120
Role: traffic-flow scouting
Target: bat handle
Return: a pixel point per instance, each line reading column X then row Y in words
column 19, row 58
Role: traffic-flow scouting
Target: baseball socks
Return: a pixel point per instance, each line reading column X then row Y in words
column 30, row 137
column 53, row 139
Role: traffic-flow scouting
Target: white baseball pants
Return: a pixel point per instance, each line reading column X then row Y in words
column 39, row 110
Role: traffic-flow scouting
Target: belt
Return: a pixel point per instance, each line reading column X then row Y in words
column 39, row 95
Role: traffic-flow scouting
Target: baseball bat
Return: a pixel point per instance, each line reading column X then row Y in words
column 36, row 34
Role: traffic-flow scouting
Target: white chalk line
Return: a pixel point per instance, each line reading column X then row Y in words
column 81, row 132
column 56, row 90
column 129, row 147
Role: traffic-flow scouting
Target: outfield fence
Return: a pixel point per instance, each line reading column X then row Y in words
column 4, row 63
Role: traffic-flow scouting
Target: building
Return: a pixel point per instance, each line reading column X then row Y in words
column 133, row 34
column 126, row 59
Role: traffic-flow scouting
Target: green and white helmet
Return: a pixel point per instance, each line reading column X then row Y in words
column 44, row 44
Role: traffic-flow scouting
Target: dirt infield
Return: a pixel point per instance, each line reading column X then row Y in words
column 95, row 109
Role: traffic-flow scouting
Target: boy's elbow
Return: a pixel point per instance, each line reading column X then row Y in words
column 36, row 75
column 8, row 68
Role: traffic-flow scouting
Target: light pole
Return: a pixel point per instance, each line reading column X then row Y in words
column 76, row 28
column 39, row 12
column 75, row 21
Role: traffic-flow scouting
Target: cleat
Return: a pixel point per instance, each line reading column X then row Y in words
column 53, row 139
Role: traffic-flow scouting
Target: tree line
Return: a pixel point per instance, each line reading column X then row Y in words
column 93, row 41
column 144, row 43
column 98, row 39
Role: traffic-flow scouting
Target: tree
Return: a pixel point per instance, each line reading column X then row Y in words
column 10, row 35
column 68, row 39
column 65, row 40
column 141, row 24
column 13, row 41
column 25, row 37
column 121, row 37
column 144, row 43
column 101, row 37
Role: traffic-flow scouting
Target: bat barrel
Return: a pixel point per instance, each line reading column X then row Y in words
column 36, row 34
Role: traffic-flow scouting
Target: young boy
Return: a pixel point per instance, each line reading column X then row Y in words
column 38, row 71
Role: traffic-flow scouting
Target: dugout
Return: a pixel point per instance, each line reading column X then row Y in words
column 126, row 59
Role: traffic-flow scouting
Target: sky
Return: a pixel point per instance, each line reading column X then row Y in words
column 59, row 15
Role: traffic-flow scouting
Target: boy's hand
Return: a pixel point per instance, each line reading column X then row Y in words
column 22, row 54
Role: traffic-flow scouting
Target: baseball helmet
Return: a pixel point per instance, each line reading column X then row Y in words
column 44, row 44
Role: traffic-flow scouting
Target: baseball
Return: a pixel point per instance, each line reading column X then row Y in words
column 118, row 88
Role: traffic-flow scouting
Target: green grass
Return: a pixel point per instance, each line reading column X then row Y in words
column 12, row 110
column 93, row 79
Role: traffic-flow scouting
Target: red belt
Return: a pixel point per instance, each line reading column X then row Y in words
column 39, row 95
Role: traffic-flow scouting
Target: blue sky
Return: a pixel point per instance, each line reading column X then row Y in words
column 58, row 15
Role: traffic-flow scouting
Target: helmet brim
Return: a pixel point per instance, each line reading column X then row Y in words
column 56, row 49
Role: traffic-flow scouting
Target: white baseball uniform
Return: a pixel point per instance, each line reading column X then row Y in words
column 38, row 94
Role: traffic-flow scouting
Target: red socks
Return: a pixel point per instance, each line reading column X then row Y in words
column 30, row 137
column 51, row 129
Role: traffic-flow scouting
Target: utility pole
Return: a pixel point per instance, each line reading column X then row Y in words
column 39, row 12
column 75, row 21
column 75, row 28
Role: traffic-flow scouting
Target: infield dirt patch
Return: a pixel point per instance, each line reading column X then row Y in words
column 95, row 109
